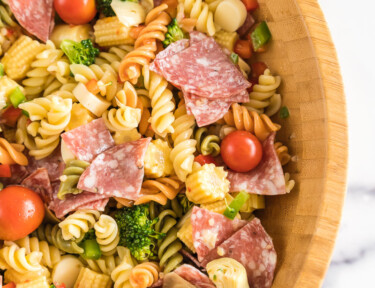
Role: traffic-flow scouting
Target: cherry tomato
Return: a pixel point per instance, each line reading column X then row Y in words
column 241, row 151
column 5, row 170
column 75, row 12
column 258, row 69
column 250, row 5
column 21, row 212
column 243, row 48
column 202, row 159
column 11, row 115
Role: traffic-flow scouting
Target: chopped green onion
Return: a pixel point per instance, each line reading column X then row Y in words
column 234, row 58
column 1, row 70
column 24, row 112
column 52, row 286
column 260, row 36
column 284, row 112
column 235, row 206
column 16, row 97
column 92, row 249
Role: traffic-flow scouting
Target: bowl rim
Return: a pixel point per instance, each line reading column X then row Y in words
column 323, row 241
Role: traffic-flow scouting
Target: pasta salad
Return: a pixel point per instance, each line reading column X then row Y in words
column 136, row 142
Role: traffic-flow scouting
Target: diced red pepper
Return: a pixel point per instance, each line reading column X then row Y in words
column 243, row 48
column 5, row 171
column 11, row 115
column 60, row 285
column 205, row 159
column 92, row 86
column 250, row 5
column 258, row 69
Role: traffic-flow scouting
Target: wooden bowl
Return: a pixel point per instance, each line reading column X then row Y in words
column 304, row 223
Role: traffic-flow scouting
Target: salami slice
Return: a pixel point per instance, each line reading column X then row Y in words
column 210, row 229
column 194, row 276
column 266, row 179
column 172, row 49
column 117, row 172
column 35, row 16
column 203, row 69
column 88, row 141
column 39, row 182
column 253, row 248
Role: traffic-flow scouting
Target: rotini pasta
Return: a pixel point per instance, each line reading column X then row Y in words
column 7, row 86
column 40, row 282
column 50, row 254
column 78, row 223
column 264, row 98
column 161, row 102
column 242, row 119
column 199, row 10
column 12, row 153
column 282, row 153
column 182, row 154
column 104, row 265
column 227, row 272
column 144, row 275
column 145, row 45
column 207, row 144
column 289, row 183
column 168, row 247
column 79, row 116
column 53, row 235
column 6, row 16
column 107, row 234
column 159, row 190
column 69, row 180
column 114, row 56
column 121, row 274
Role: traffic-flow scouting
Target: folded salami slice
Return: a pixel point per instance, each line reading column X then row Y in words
column 194, row 276
column 39, row 182
column 117, row 172
column 266, row 179
column 210, row 229
column 35, row 16
column 88, row 141
column 253, row 248
column 203, row 69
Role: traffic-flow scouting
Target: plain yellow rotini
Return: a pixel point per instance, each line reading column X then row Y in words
column 242, row 119
column 144, row 275
column 113, row 56
column 121, row 137
column 199, row 10
column 51, row 254
column 79, row 116
column 289, row 183
column 17, row 61
column 264, row 98
column 184, row 146
column 207, row 184
column 104, row 265
column 91, row 279
column 107, row 234
column 7, row 86
column 40, row 282
column 161, row 102
column 121, row 274
column 110, row 31
column 75, row 225
column 157, row 159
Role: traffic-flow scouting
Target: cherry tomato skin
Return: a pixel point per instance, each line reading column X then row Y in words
column 21, row 212
column 11, row 115
column 10, row 285
column 5, row 170
column 243, row 49
column 76, row 12
column 205, row 159
column 241, row 151
column 250, row 5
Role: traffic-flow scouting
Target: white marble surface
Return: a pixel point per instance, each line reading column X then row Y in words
column 352, row 25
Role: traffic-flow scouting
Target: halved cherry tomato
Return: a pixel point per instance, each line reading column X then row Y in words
column 21, row 212
column 243, row 48
column 5, row 170
column 205, row 159
column 11, row 115
column 258, row 69
column 75, row 12
column 92, row 86
column 250, row 5
column 10, row 285
column 241, row 151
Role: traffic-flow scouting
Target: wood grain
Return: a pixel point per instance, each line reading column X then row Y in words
column 304, row 223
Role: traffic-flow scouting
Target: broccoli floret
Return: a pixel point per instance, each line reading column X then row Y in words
column 104, row 6
column 173, row 34
column 80, row 52
column 89, row 235
column 137, row 231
